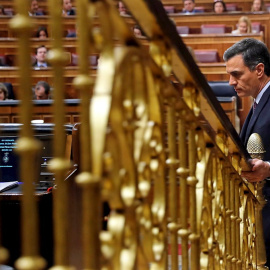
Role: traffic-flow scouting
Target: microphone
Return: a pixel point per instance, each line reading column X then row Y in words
column 255, row 146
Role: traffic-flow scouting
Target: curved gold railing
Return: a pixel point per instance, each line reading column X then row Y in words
column 165, row 159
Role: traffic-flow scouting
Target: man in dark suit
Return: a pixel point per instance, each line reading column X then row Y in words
column 189, row 7
column 41, row 54
column 248, row 64
column 34, row 9
column 68, row 9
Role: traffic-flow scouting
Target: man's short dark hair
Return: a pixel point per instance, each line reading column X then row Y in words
column 41, row 46
column 253, row 52
column 45, row 85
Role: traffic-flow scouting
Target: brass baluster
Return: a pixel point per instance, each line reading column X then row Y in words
column 172, row 162
column 227, row 218
column 27, row 147
column 192, row 181
column 183, row 189
column 91, row 203
column 233, row 220
column 59, row 165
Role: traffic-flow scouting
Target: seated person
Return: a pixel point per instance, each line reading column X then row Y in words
column 34, row 9
column 137, row 31
column 42, row 33
column 72, row 33
column 42, row 91
column 122, row 9
column 3, row 92
column 219, row 6
column 258, row 5
column 67, row 8
column 41, row 53
column 2, row 10
column 189, row 7
column 243, row 26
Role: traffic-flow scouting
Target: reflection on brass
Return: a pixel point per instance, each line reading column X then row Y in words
column 161, row 54
column 221, row 140
column 192, row 98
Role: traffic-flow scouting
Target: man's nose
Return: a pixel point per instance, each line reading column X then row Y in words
column 232, row 81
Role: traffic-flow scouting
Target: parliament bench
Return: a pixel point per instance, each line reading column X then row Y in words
column 244, row 5
column 42, row 110
column 10, row 75
column 194, row 21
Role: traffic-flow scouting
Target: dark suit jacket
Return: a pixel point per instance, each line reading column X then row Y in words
column 72, row 12
column 259, row 122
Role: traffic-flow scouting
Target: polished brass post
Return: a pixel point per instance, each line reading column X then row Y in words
column 59, row 165
column 183, row 188
column 172, row 162
column 228, row 212
column 28, row 147
column 237, row 187
column 233, row 220
column 91, row 218
column 192, row 181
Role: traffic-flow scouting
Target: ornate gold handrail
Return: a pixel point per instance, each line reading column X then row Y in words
column 166, row 160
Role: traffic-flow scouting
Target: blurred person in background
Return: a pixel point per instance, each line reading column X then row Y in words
column 34, row 9
column 243, row 26
column 42, row 90
column 219, row 6
column 42, row 33
column 68, row 9
column 258, row 5
column 3, row 92
column 122, row 9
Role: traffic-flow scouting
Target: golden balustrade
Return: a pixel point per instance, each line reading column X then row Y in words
column 166, row 160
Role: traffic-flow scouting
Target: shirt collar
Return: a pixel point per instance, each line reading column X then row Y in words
column 258, row 98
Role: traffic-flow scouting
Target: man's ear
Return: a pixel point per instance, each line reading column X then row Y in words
column 260, row 70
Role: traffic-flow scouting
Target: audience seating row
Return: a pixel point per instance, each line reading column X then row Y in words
column 10, row 75
column 194, row 22
column 232, row 5
column 9, row 60
column 217, row 28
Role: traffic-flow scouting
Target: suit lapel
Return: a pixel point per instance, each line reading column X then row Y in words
column 252, row 117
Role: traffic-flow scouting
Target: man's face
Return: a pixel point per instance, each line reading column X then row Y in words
column 189, row 5
column 67, row 5
column 41, row 54
column 256, row 5
column 34, row 6
column 244, row 81
column 40, row 93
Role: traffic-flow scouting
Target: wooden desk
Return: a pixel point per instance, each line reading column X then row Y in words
column 244, row 5
column 229, row 19
column 43, row 110
column 220, row 42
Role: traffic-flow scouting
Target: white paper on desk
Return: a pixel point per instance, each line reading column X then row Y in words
column 4, row 186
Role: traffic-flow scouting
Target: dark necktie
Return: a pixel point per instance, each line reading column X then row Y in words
column 254, row 106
